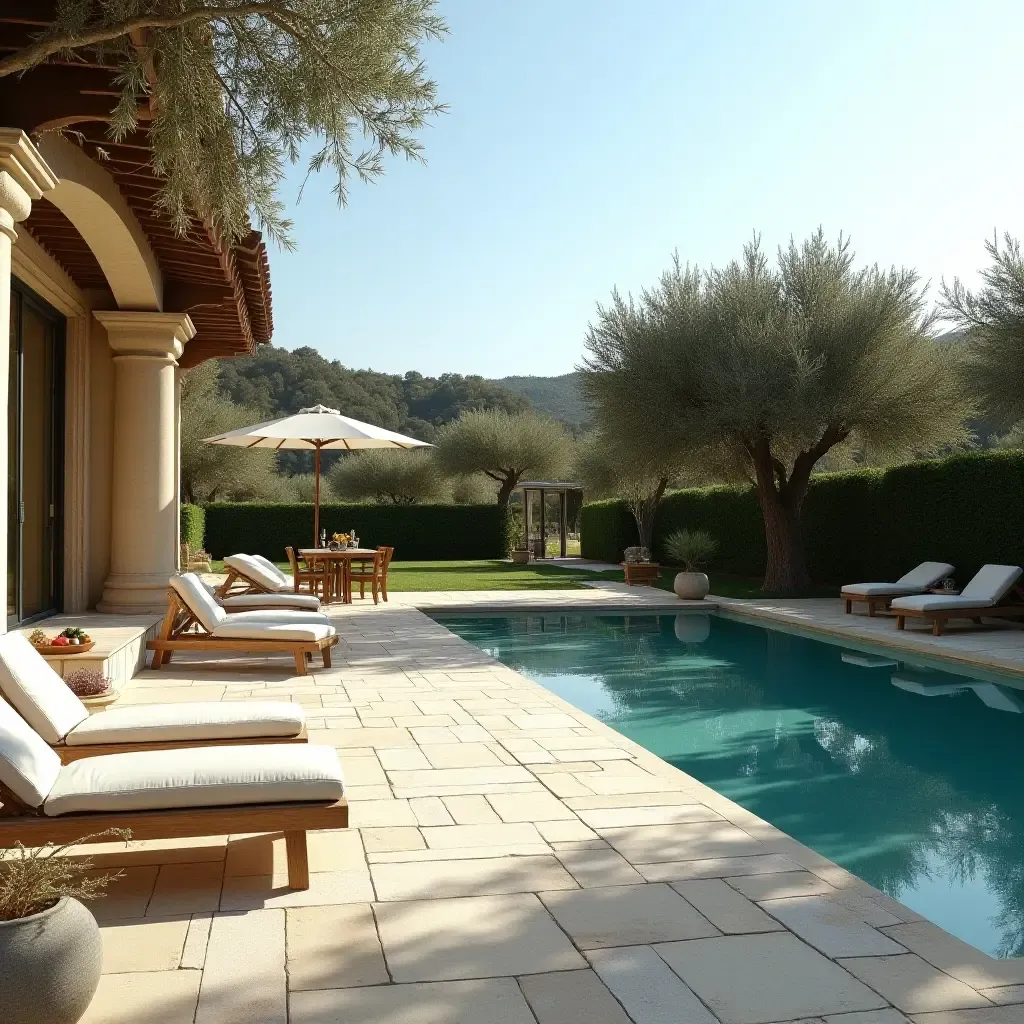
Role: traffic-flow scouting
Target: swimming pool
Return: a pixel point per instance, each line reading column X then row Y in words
column 909, row 776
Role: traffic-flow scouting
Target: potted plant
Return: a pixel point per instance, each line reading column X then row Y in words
column 91, row 687
column 691, row 549
column 50, row 948
column 520, row 555
column 638, row 567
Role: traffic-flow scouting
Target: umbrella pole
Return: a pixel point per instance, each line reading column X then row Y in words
column 316, row 497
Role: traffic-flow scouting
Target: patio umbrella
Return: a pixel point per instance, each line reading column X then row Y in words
column 317, row 428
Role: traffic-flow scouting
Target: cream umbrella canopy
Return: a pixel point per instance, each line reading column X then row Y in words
column 316, row 429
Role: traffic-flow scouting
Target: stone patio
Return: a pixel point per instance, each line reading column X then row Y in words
column 511, row 861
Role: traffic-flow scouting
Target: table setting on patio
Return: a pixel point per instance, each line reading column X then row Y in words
column 336, row 558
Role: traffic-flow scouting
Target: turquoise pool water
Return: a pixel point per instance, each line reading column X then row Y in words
column 908, row 776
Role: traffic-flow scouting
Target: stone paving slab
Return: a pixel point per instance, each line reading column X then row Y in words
column 511, row 861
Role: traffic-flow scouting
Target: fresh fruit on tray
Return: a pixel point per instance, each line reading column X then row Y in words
column 38, row 638
column 76, row 636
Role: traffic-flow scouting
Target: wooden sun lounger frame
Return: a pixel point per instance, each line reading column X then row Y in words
column 19, row 823
column 940, row 616
column 873, row 601
column 249, row 585
column 176, row 635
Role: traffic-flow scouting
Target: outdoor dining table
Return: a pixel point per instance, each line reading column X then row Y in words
column 338, row 568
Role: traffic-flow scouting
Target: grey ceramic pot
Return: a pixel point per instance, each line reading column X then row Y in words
column 49, row 965
column 691, row 586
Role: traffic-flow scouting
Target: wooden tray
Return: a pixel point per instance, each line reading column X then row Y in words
column 63, row 650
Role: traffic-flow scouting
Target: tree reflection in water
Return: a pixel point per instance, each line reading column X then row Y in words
column 915, row 787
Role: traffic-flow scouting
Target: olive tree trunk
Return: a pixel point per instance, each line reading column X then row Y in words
column 780, row 493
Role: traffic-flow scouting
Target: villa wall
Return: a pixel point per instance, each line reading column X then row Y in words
column 88, row 414
column 101, row 447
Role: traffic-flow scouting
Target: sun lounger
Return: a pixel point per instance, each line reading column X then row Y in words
column 41, row 697
column 982, row 597
column 168, row 794
column 195, row 622
column 254, row 582
column 879, row 595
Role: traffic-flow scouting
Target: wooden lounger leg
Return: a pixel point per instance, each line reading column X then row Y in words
column 900, row 620
column 849, row 604
column 327, row 657
column 298, row 860
column 871, row 609
column 937, row 627
column 300, row 663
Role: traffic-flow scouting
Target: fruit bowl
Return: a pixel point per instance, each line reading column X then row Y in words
column 64, row 650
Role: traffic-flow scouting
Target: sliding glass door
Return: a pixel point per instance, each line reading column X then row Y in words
column 35, row 409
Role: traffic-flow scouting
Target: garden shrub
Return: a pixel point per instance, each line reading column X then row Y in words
column 416, row 532
column 193, row 526
column 867, row 524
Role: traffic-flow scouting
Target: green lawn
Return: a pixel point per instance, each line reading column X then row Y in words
column 498, row 575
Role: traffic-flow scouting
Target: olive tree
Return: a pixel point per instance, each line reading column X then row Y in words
column 606, row 468
column 230, row 91
column 386, row 475
column 994, row 320
column 212, row 472
column 505, row 446
column 771, row 367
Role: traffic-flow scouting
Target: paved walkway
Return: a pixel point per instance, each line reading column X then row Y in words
column 512, row 861
column 996, row 645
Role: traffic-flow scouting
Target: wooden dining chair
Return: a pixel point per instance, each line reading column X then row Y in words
column 315, row 579
column 372, row 573
column 388, row 553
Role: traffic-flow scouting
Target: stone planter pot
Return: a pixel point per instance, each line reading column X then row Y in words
column 49, row 965
column 691, row 586
column 692, row 627
column 521, row 556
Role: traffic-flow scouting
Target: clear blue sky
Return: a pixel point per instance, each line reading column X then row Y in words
column 588, row 139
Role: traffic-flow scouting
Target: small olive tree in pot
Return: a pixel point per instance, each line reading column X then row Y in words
column 692, row 549
column 51, row 954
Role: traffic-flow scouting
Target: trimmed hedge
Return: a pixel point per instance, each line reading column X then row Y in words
column 193, row 526
column 862, row 525
column 416, row 532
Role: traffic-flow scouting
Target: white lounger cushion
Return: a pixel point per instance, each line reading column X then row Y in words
column 40, row 695
column 287, row 579
column 926, row 575
column 256, row 571
column 28, row 767
column 987, row 588
column 197, row 777
column 273, row 630
column 204, row 607
column 288, row 602
column 153, row 723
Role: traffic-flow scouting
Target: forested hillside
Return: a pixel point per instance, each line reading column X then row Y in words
column 276, row 382
column 557, row 396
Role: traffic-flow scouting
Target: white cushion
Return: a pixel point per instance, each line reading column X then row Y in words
column 992, row 582
column 281, row 616
column 291, row 602
column 879, row 589
column 199, row 601
column 40, row 696
column 198, row 777
column 307, row 631
column 286, row 578
column 28, row 767
column 255, row 571
column 210, row 720
column 938, row 603
column 926, row 575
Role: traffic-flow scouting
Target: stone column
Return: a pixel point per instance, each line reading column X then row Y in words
column 24, row 177
column 144, row 502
